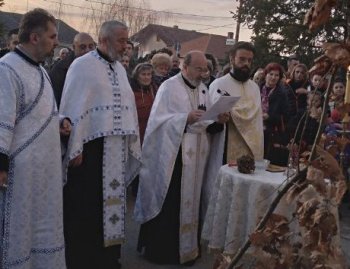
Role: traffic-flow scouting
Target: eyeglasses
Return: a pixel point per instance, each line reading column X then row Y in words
column 201, row 70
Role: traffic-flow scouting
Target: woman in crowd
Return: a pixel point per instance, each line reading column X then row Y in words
column 144, row 91
column 161, row 63
column 274, row 106
column 296, row 89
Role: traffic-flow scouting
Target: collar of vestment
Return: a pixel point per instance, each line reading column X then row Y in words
column 25, row 56
column 188, row 83
column 104, row 56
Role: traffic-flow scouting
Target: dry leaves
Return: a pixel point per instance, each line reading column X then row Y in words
column 338, row 53
column 319, row 13
column 327, row 164
column 221, row 262
column 334, row 54
column 273, row 247
column 322, row 65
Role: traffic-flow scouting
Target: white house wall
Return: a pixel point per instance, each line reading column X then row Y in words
column 151, row 44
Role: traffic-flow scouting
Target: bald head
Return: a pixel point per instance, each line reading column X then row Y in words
column 82, row 44
column 195, row 67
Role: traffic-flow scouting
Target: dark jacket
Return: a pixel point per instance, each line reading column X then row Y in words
column 58, row 75
column 278, row 108
column 297, row 102
column 275, row 127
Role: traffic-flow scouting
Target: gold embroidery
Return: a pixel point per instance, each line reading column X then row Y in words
column 113, row 201
column 113, row 242
column 189, row 227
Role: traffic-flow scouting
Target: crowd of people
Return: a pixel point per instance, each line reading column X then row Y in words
column 75, row 135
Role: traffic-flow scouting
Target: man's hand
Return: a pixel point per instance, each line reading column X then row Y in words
column 76, row 161
column 194, row 116
column 3, row 179
column 223, row 117
column 65, row 127
column 265, row 116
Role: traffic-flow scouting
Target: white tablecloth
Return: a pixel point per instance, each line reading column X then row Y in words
column 236, row 205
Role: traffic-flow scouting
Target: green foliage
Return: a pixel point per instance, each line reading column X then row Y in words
column 278, row 29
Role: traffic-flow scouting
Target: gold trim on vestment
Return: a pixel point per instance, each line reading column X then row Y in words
column 113, row 201
column 186, row 228
column 236, row 144
column 113, row 242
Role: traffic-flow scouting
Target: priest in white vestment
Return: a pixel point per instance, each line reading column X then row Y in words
column 174, row 157
column 31, row 217
column 244, row 133
column 103, row 153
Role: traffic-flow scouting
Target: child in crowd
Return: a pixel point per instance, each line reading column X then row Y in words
column 337, row 100
column 317, row 82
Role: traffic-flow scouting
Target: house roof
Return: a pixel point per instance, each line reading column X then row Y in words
column 213, row 44
column 170, row 35
column 189, row 40
column 11, row 21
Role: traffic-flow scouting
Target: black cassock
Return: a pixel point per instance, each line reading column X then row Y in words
column 83, row 214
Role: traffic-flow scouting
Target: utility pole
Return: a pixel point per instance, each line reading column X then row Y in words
column 347, row 15
column 59, row 16
column 238, row 25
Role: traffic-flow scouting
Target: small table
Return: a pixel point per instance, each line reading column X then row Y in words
column 237, row 203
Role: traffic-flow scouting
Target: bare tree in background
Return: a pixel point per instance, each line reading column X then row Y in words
column 135, row 14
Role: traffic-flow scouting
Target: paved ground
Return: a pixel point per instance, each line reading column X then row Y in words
column 132, row 260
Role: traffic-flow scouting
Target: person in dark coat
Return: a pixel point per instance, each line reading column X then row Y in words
column 11, row 42
column 275, row 107
column 297, row 92
column 82, row 44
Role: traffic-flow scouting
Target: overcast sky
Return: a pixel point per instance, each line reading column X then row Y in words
column 219, row 19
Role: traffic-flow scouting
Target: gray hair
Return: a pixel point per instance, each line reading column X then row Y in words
column 107, row 28
column 188, row 56
column 188, row 59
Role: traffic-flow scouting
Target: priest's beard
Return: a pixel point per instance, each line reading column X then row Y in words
column 241, row 74
column 113, row 55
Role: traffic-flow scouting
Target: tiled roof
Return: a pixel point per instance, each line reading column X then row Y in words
column 189, row 40
column 213, row 44
column 11, row 21
column 169, row 35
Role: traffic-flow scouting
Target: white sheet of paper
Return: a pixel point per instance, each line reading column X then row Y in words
column 222, row 105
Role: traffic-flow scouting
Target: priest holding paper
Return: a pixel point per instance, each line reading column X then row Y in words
column 245, row 129
column 244, row 133
column 175, row 154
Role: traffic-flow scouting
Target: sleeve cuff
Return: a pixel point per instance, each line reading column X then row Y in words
column 4, row 162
